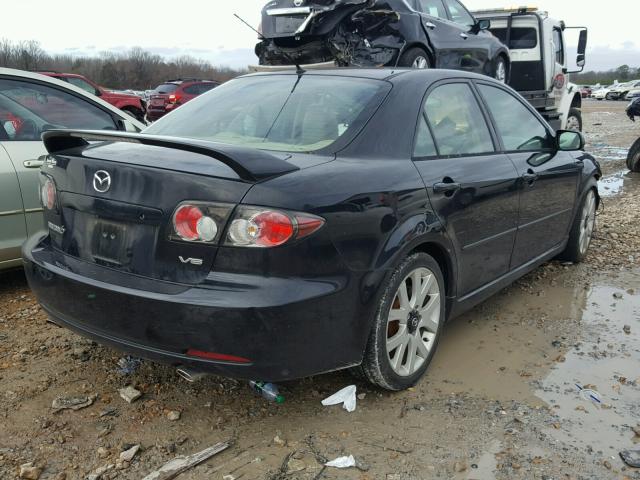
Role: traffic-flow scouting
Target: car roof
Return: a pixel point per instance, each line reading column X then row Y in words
column 67, row 86
column 394, row 75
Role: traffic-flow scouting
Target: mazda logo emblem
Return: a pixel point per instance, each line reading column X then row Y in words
column 101, row 181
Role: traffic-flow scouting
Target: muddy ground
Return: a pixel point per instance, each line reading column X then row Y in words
column 500, row 400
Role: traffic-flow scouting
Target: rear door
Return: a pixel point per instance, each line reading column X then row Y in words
column 549, row 178
column 471, row 186
column 443, row 34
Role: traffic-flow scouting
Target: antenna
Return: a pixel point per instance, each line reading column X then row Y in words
column 260, row 36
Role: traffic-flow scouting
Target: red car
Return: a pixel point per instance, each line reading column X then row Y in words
column 131, row 104
column 586, row 92
column 173, row 93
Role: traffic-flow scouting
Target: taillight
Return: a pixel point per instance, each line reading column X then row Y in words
column 174, row 98
column 263, row 228
column 48, row 195
column 199, row 222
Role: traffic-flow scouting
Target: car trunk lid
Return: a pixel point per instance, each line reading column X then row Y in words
column 116, row 199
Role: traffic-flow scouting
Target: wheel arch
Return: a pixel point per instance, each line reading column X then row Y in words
column 422, row 46
column 443, row 258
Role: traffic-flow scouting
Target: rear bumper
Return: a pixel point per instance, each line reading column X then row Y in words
column 287, row 328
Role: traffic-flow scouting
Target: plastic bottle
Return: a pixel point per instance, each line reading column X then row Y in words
column 269, row 391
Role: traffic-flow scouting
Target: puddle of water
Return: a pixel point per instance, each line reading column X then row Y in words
column 606, row 360
column 497, row 349
column 611, row 185
column 487, row 463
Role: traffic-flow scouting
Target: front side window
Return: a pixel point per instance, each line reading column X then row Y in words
column 277, row 112
column 459, row 14
column 86, row 86
column 457, row 122
column 517, row 126
column 558, row 46
column 435, row 8
column 28, row 109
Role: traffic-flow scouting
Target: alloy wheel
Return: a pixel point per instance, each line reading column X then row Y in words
column 420, row 62
column 587, row 221
column 413, row 320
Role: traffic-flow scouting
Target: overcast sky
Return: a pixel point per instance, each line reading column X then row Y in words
column 207, row 28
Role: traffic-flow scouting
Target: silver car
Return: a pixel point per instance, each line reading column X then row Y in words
column 30, row 104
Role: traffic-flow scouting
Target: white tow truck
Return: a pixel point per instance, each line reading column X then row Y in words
column 540, row 61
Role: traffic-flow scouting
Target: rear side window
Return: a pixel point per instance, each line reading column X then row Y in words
column 521, row 38
column 28, row 109
column 166, row 88
column 192, row 89
column 435, row 8
column 517, row 126
column 457, row 122
column 424, row 145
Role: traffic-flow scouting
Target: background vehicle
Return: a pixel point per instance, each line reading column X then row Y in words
column 249, row 266
column 633, row 157
column 30, row 104
column 173, row 93
column 411, row 33
column 620, row 91
column 633, row 94
column 601, row 93
column 540, row 63
column 129, row 103
column 585, row 91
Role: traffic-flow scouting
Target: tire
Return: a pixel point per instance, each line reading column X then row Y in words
column 415, row 57
column 574, row 119
column 608, row 96
column 633, row 157
column 416, row 331
column 583, row 224
column 501, row 70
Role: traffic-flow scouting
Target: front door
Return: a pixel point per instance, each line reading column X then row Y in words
column 473, row 45
column 13, row 230
column 473, row 189
column 549, row 178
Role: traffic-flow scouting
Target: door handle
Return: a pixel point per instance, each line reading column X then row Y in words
column 35, row 163
column 430, row 25
column 579, row 163
column 530, row 177
column 446, row 187
column 464, row 35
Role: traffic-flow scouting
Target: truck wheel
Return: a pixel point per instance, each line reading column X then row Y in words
column 633, row 158
column 500, row 71
column 415, row 58
column 407, row 325
column 574, row 120
column 582, row 229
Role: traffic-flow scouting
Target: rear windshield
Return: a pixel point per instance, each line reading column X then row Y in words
column 277, row 112
column 166, row 88
column 521, row 38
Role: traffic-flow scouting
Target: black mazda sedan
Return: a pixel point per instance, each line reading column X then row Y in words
column 284, row 225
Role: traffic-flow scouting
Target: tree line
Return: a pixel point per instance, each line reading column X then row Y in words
column 623, row 73
column 135, row 69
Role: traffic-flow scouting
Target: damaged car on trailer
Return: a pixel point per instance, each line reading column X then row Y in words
column 370, row 33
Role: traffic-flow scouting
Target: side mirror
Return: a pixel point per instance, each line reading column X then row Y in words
column 580, row 60
column 483, row 24
column 569, row 140
column 98, row 92
column 582, row 42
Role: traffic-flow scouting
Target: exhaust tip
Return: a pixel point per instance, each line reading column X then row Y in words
column 190, row 376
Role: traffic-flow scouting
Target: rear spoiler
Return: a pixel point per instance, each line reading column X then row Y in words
column 250, row 164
